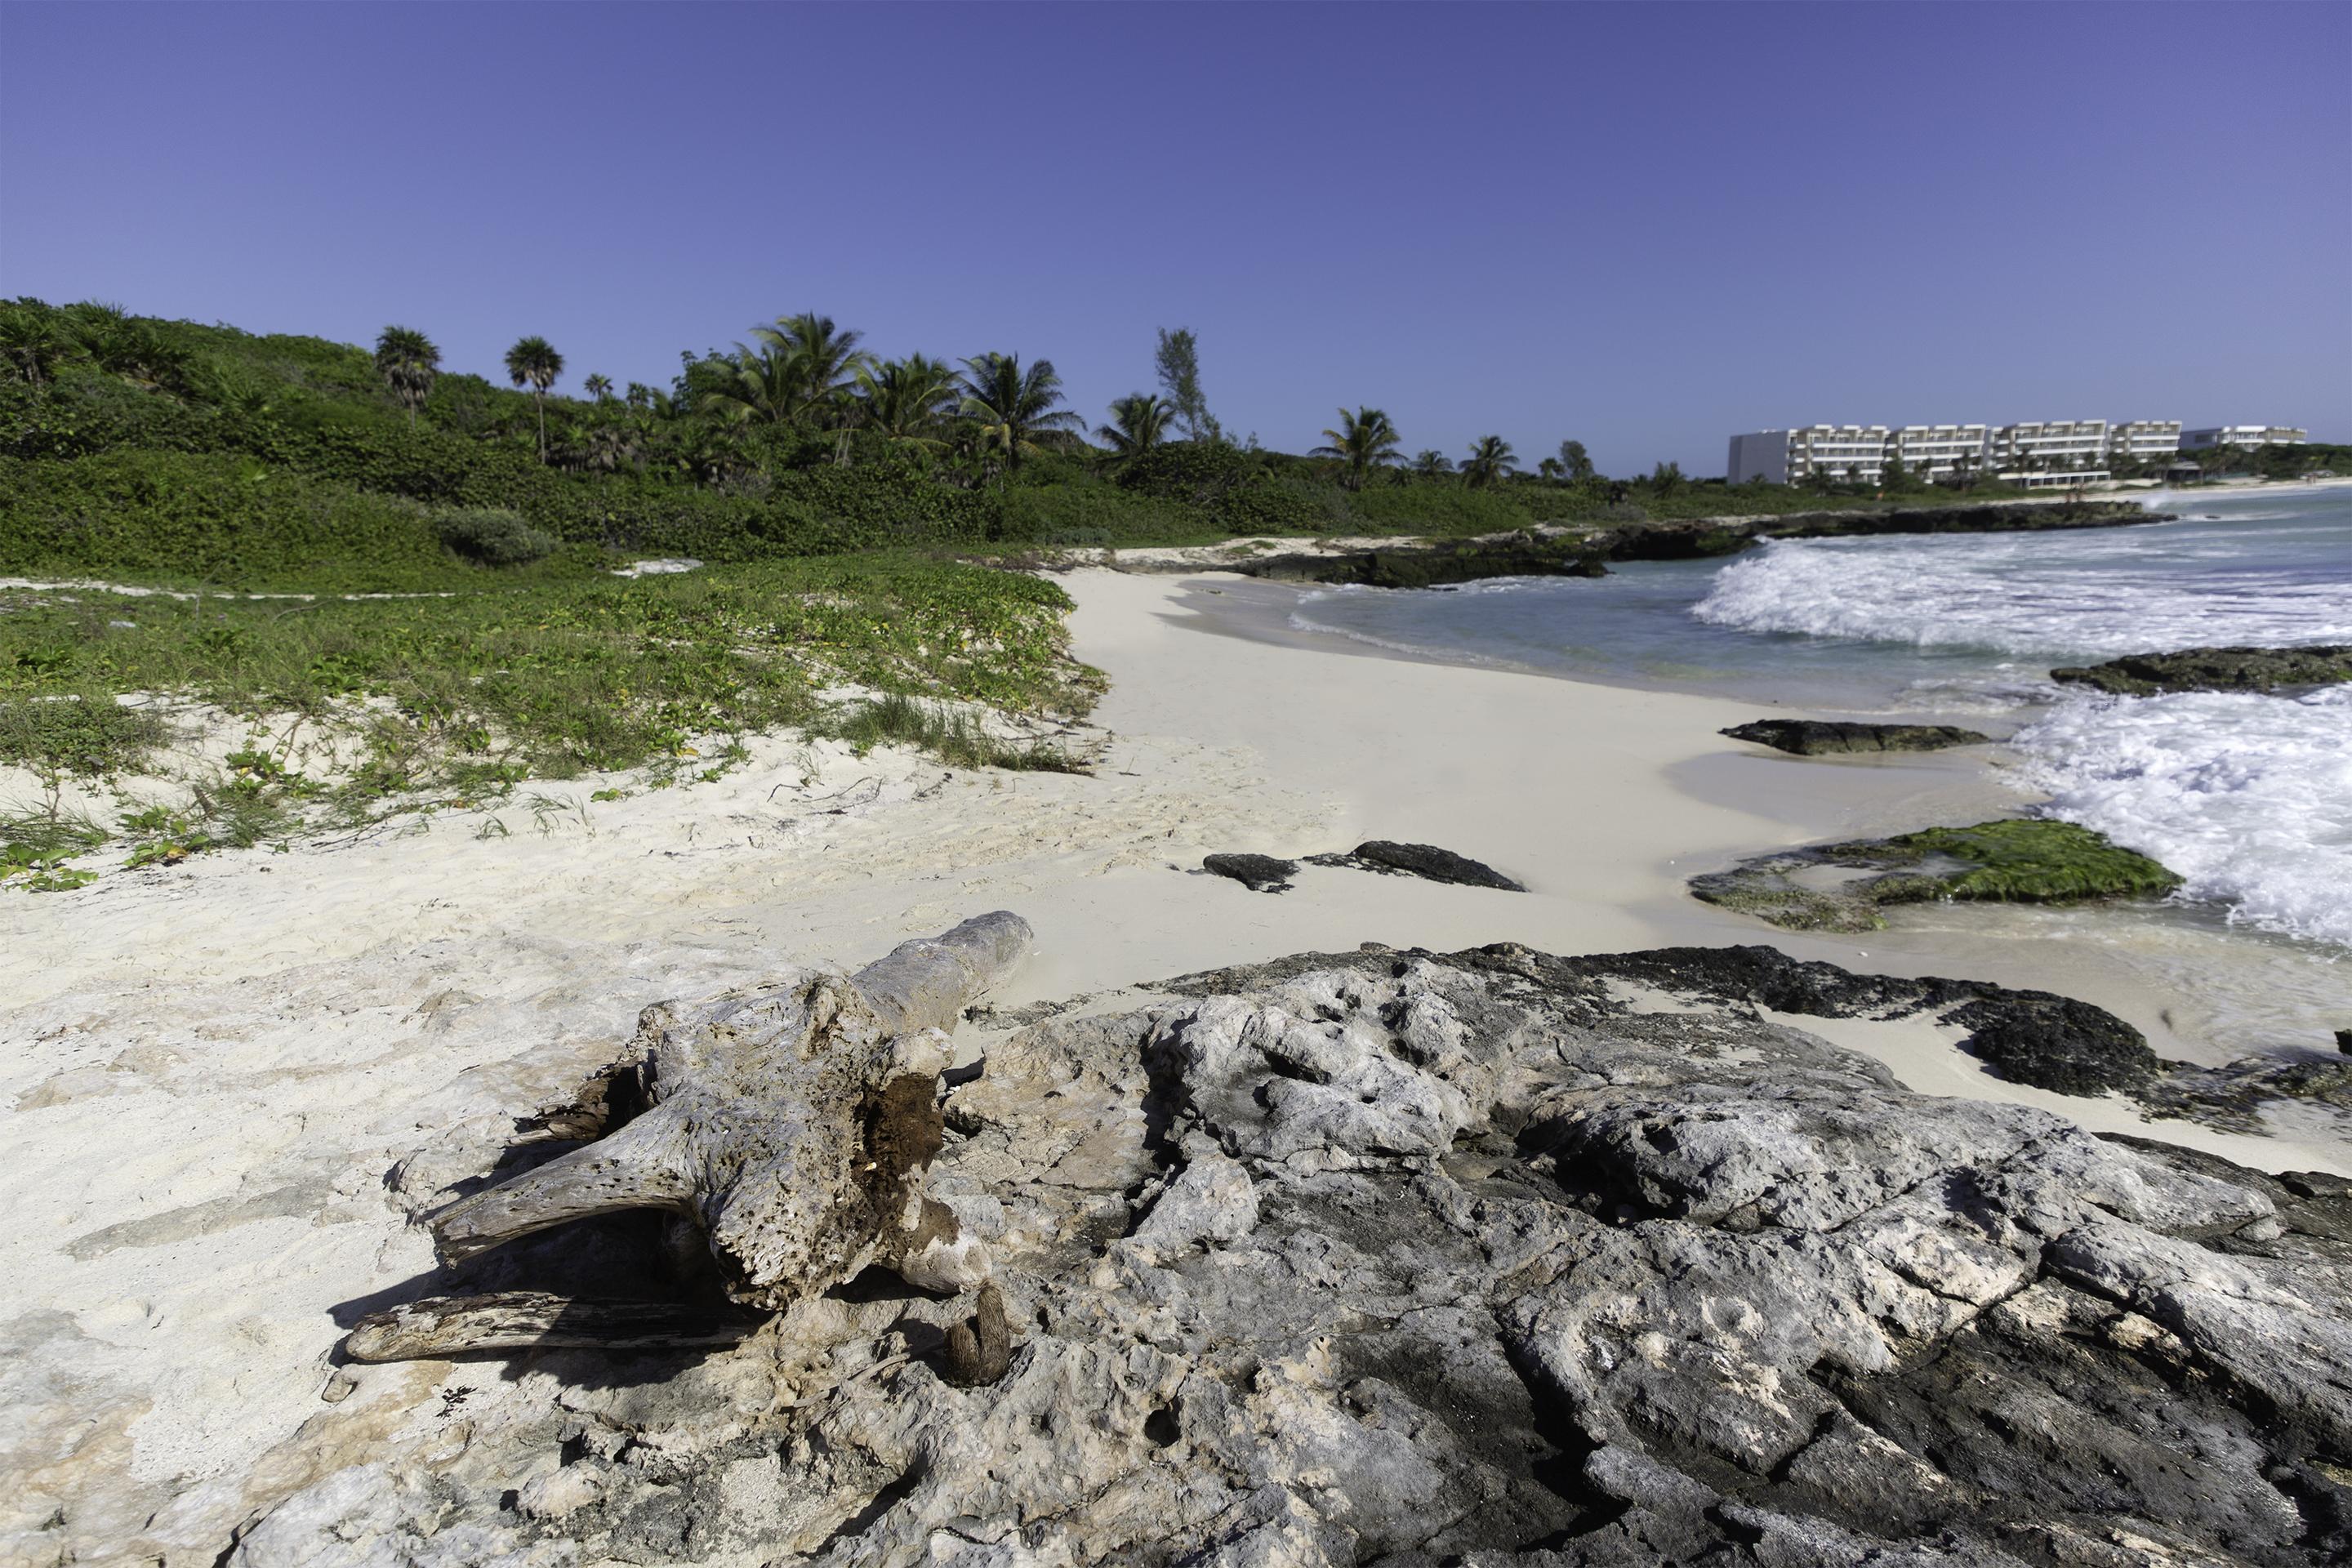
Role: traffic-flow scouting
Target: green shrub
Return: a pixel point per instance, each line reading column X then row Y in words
column 493, row 537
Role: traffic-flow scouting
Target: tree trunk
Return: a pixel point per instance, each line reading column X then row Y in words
column 792, row 1119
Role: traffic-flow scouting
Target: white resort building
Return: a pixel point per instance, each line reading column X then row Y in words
column 2244, row 436
column 2051, row 455
column 2047, row 455
column 2144, row 441
column 1940, row 451
column 1846, row 452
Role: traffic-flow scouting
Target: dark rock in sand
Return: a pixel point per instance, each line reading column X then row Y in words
column 1819, row 737
column 2344, row 1041
column 2233, row 1096
column 2214, row 669
column 1424, row 860
column 2027, row 1037
column 2054, row 1043
column 1259, row 873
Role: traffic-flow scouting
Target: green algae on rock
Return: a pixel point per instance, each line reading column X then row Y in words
column 1841, row 887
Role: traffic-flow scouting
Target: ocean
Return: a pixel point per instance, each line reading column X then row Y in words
column 2248, row 797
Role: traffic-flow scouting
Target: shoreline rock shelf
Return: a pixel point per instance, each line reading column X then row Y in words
column 1490, row 1258
column 1580, row 549
column 2261, row 669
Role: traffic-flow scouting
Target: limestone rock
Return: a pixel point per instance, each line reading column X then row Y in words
column 1491, row 1258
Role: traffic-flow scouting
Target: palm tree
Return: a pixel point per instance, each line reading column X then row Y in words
column 827, row 357
column 763, row 387
column 1139, row 422
column 1490, row 458
column 1365, row 440
column 407, row 361
column 30, row 344
column 535, row 360
column 1010, row 407
column 600, row 387
column 906, row 400
column 1552, row 469
column 1433, row 464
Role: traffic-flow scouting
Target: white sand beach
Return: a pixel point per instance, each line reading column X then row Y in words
column 218, row 1068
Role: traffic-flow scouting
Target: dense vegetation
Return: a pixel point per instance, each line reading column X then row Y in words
column 203, row 454
column 2277, row 462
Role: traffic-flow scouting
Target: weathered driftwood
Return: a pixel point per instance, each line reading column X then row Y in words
column 531, row 1320
column 792, row 1121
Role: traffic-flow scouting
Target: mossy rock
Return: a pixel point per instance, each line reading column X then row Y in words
column 2038, row 862
column 2015, row 861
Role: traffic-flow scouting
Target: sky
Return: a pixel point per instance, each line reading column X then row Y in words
column 1646, row 227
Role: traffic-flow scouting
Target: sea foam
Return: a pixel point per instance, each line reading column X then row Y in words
column 2248, row 797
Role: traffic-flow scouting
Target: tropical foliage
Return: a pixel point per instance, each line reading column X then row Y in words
column 1490, row 460
column 535, row 360
column 1010, row 408
column 408, row 362
column 1138, row 422
column 176, row 451
column 1365, row 442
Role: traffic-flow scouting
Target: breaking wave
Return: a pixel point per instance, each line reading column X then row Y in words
column 2248, row 798
column 2132, row 591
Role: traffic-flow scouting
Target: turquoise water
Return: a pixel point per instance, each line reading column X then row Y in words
column 1966, row 622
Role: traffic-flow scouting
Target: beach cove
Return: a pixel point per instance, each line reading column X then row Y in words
column 218, row 1063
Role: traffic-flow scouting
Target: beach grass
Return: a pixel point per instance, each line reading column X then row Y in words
column 461, row 696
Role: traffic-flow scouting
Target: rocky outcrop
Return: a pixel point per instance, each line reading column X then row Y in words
column 1824, row 737
column 1269, row 874
column 1431, row 563
column 1843, row 887
column 1426, row 861
column 1583, row 550
column 1490, row 1258
column 1258, row 873
column 2214, row 669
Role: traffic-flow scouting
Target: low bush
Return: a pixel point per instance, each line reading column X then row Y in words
column 493, row 536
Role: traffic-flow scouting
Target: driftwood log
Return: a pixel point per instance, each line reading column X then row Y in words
column 789, row 1123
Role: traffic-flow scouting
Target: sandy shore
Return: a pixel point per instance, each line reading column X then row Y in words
column 215, row 1066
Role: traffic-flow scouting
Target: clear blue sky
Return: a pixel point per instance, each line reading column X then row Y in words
column 1648, row 226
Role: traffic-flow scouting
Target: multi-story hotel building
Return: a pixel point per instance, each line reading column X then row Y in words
column 1939, row 451
column 1855, row 452
column 2244, row 436
column 2144, row 441
column 2052, row 445
column 2039, row 456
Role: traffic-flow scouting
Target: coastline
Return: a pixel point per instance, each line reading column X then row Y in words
column 215, row 1065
